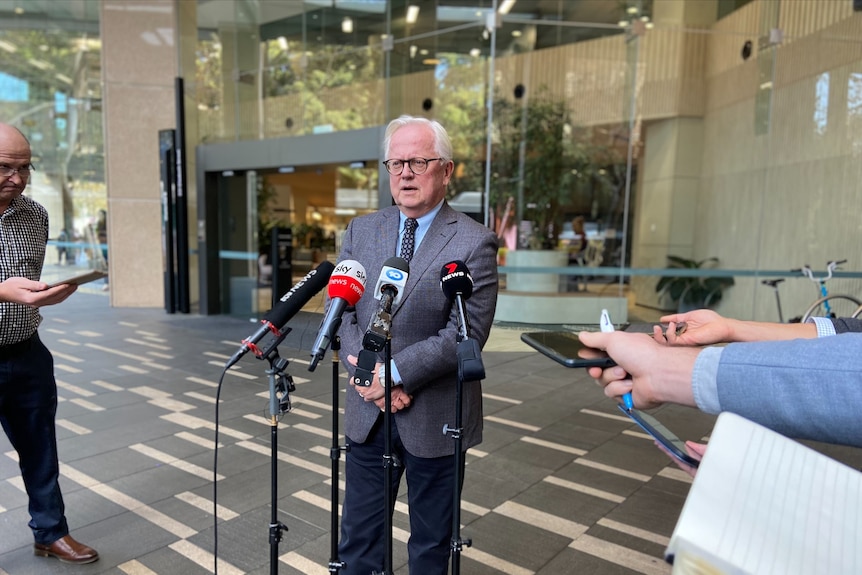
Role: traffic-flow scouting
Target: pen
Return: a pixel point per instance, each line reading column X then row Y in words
column 606, row 326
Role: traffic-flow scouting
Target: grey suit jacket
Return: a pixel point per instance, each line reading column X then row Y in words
column 802, row 388
column 424, row 326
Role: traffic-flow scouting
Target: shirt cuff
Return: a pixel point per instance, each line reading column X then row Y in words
column 704, row 380
column 396, row 377
column 824, row 326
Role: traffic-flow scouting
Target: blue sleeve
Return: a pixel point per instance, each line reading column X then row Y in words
column 803, row 388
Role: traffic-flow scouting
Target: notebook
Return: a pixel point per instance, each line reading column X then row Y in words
column 763, row 503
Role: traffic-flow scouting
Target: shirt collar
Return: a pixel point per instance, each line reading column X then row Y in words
column 424, row 221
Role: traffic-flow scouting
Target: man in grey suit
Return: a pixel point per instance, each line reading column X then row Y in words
column 424, row 329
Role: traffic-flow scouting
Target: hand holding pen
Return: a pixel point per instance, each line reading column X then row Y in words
column 606, row 326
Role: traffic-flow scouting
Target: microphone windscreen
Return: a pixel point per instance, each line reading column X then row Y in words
column 347, row 282
column 300, row 294
column 397, row 263
column 455, row 279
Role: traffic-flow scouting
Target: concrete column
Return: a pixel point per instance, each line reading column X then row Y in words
column 669, row 173
column 139, row 64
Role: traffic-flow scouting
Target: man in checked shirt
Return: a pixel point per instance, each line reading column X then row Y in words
column 28, row 390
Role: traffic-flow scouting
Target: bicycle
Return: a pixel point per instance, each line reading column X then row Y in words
column 826, row 305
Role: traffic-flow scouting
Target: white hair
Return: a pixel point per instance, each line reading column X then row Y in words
column 442, row 143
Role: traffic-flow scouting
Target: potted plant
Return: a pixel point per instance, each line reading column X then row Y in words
column 693, row 291
column 542, row 166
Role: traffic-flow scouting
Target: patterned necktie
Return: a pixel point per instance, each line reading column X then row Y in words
column 409, row 240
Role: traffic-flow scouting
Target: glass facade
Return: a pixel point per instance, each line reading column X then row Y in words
column 50, row 88
column 611, row 134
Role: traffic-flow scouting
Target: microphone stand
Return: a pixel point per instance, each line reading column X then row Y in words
column 470, row 368
column 378, row 337
column 389, row 460
column 280, row 386
column 335, row 565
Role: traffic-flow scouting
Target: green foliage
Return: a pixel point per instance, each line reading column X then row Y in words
column 558, row 167
column 309, row 236
column 693, row 291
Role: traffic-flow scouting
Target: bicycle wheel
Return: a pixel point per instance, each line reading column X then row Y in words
column 842, row 305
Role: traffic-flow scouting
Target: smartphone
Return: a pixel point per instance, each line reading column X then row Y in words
column 565, row 348
column 79, row 279
column 661, row 434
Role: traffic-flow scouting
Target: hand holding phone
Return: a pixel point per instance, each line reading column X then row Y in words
column 565, row 348
column 670, row 442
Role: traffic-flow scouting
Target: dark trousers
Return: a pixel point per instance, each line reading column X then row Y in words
column 429, row 496
column 28, row 405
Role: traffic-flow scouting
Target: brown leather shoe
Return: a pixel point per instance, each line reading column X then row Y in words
column 66, row 550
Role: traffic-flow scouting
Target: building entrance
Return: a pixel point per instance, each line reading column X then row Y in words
column 314, row 202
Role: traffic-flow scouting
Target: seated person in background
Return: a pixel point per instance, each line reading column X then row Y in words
column 264, row 270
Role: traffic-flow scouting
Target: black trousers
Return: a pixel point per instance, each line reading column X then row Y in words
column 28, row 406
column 429, row 496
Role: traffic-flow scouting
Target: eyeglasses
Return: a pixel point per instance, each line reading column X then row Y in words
column 8, row 171
column 417, row 165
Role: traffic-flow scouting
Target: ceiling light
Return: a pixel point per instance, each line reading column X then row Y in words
column 286, row 170
column 412, row 13
column 282, row 43
column 347, row 25
column 413, row 49
column 475, row 52
column 424, row 51
column 506, row 6
column 516, row 33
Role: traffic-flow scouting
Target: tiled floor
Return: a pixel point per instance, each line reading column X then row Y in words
column 561, row 484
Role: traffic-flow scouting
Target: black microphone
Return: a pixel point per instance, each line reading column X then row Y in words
column 346, row 286
column 285, row 308
column 389, row 290
column 457, row 284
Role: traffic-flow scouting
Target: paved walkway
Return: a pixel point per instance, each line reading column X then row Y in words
column 561, row 483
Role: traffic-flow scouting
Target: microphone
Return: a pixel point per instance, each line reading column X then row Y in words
column 389, row 290
column 346, row 287
column 285, row 308
column 393, row 278
column 457, row 283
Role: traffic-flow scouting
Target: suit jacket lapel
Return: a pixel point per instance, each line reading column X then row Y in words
column 438, row 235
